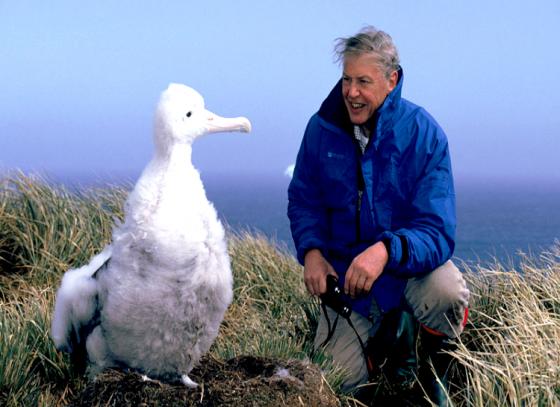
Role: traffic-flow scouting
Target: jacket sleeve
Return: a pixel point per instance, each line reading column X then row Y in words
column 428, row 239
column 306, row 209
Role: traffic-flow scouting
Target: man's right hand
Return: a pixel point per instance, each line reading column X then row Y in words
column 316, row 269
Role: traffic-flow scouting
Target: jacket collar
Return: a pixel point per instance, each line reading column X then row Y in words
column 333, row 110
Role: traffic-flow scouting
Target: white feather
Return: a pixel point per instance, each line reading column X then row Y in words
column 76, row 301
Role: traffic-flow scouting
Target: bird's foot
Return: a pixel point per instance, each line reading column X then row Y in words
column 147, row 379
column 186, row 380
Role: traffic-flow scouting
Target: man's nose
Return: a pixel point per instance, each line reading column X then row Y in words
column 353, row 90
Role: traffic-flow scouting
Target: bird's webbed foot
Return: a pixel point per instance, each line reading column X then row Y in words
column 147, row 379
column 186, row 380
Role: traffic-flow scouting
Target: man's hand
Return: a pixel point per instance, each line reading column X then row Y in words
column 316, row 269
column 365, row 269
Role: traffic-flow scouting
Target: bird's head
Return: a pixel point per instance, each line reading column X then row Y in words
column 181, row 117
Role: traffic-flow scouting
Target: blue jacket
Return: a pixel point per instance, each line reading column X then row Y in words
column 408, row 198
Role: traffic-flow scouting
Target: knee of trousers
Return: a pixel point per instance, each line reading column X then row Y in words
column 440, row 299
column 344, row 347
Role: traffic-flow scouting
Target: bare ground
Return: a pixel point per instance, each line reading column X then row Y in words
column 242, row 381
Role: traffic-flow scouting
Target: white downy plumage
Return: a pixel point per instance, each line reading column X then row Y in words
column 154, row 298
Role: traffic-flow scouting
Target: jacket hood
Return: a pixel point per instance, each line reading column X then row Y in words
column 333, row 110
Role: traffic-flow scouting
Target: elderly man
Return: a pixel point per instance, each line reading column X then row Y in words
column 372, row 203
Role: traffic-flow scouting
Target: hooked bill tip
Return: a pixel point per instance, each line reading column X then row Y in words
column 246, row 125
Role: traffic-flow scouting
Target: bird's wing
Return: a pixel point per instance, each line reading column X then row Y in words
column 76, row 309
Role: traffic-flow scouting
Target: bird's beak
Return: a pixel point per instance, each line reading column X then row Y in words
column 217, row 124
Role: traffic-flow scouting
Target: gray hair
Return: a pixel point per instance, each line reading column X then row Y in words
column 370, row 40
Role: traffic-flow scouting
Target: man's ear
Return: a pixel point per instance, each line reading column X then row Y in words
column 393, row 79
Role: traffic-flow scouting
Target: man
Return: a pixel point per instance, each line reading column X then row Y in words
column 372, row 203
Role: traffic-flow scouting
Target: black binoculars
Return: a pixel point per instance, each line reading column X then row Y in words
column 335, row 299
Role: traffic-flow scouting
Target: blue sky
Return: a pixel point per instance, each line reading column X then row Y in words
column 80, row 80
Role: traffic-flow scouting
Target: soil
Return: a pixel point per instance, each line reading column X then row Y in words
column 242, row 381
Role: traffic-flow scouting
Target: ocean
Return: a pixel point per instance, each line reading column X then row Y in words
column 496, row 220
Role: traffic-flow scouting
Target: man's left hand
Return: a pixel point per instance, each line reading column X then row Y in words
column 365, row 269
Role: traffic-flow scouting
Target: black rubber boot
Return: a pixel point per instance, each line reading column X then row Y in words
column 435, row 366
column 392, row 354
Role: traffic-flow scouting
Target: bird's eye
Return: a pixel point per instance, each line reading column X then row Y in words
column 189, row 114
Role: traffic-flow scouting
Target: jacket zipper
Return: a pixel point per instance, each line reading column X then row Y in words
column 358, row 215
column 361, row 188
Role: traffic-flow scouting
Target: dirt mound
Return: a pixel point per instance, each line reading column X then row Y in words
column 242, row 381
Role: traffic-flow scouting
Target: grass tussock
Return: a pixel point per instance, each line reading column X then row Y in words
column 508, row 355
column 46, row 229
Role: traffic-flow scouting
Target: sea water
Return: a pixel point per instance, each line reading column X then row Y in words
column 496, row 219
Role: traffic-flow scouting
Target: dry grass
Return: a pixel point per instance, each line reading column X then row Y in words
column 509, row 354
column 45, row 229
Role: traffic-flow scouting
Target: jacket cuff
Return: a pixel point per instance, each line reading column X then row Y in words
column 309, row 245
column 394, row 247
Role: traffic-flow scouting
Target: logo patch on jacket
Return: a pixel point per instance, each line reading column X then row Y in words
column 337, row 156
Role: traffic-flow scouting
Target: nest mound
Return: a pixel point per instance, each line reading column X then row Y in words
column 242, row 381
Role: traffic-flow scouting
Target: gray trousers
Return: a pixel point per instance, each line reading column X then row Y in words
column 437, row 300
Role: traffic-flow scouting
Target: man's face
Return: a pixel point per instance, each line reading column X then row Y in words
column 364, row 86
